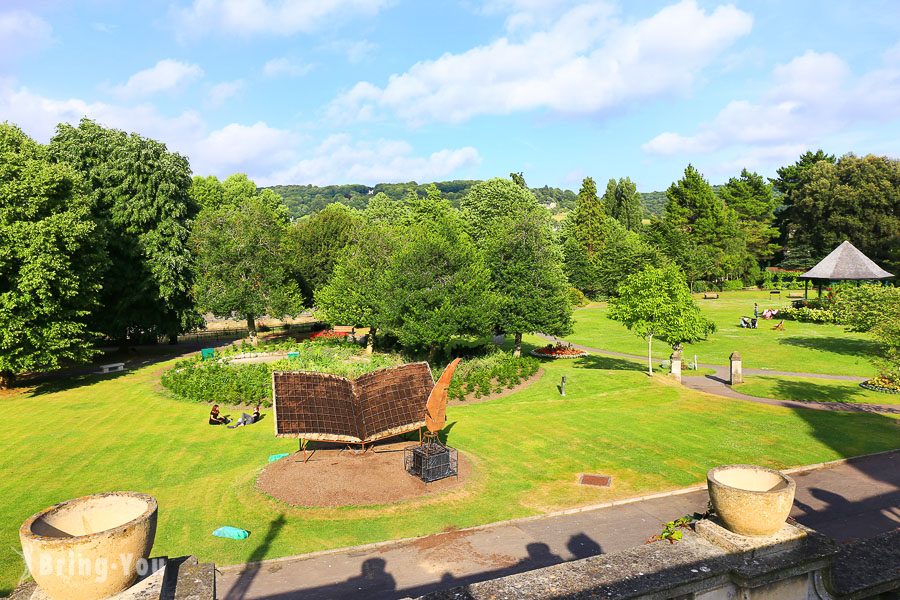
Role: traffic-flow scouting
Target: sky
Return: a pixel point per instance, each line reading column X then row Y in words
column 368, row 91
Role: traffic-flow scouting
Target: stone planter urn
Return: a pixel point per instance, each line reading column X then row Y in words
column 91, row 547
column 750, row 500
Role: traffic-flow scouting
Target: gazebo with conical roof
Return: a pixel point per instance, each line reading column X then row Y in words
column 845, row 263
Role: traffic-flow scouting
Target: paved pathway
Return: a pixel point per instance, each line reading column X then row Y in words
column 856, row 499
column 717, row 384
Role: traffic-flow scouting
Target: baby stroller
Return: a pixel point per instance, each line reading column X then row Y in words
column 748, row 323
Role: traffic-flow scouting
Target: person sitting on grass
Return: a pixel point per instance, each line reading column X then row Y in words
column 215, row 418
column 247, row 419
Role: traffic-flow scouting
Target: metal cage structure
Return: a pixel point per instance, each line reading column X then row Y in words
column 431, row 462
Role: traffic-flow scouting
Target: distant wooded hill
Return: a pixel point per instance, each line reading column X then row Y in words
column 303, row 200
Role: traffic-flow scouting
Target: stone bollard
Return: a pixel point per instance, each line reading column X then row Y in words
column 737, row 374
column 675, row 365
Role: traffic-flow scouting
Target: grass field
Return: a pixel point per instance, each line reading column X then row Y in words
column 124, row 433
column 802, row 347
column 814, row 390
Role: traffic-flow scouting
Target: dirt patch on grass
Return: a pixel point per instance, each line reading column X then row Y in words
column 471, row 399
column 334, row 477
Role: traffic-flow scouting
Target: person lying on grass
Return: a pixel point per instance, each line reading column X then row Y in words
column 215, row 418
column 247, row 419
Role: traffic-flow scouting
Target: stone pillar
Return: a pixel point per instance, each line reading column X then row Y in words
column 737, row 373
column 675, row 365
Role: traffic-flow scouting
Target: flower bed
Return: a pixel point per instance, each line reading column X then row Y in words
column 881, row 384
column 329, row 334
column 558, row 351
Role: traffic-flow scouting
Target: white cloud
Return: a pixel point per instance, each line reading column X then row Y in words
column 22, row 32
column 280, row 17
column 221, row 92
column 525, row 14
column 340, row 158
column 587, row 62
column 38, row 115
column 811, row 96
column 268, row 154
column 285, row 67
column 252, row 149
column 165, row 75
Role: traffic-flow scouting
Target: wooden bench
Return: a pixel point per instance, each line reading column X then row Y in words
column 775, row 292
column 795, row 295
column 343, row 329
column 112, row 368
column 710, row 296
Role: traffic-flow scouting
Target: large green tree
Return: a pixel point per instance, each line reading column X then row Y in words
column 855, row 199
column 314, row 244
column 693, row 211
column 584, row 233
column 788, row 183
column 525, row 261
column 356, row 292
column 140, row 199
column 50, row 260
column 754, row 201
column 439, row 287
column 623, row 253
column 623, row 203
column 656, row 303
column 490, row 200
column 241, row 262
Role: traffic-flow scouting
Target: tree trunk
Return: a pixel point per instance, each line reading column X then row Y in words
column 517, row 346
column 7, row 380
column 432, row 353
column 370, row 340
column 251, row 329
column 650, row 353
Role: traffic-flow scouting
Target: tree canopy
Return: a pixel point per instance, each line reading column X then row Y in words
column 140, row 199
column 656, row 302
column 50, row 260
column 241, row 263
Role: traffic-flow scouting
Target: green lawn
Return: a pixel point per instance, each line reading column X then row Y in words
column 802, row 347
column 815, row 390
column 125, row 433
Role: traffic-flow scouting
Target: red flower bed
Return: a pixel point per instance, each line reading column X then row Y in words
column 329, row 334
column 558, row 351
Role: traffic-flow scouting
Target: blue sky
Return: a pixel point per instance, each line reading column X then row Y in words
column 363, row 91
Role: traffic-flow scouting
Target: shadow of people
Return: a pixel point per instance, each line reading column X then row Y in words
column 254, row 561
column 373, row 578
column 582, row 546
column 539, row 555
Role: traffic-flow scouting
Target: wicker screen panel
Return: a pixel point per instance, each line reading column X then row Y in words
column 393, row 400
column 315, row 406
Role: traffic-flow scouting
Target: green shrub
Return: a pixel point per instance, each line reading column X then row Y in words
column 577, row 297
column 235, row 384
column 732, row 285
column 485, row 375
column 806, row 314
column 700, row 286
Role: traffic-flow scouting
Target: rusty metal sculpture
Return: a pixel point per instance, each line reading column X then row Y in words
column 436, row 407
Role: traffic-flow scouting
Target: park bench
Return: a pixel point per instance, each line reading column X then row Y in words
column 795, row 295
column 775, row 292
column 344, row 329
column 112, row 368
column 710, row 296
